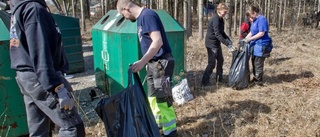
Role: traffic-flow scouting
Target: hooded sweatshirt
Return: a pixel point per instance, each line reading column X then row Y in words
column 35, row 42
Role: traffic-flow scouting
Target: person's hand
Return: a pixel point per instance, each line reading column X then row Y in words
column 65, row 98
column 246, row 40
column 229, row 41
column 232, row 48
column 137, row 66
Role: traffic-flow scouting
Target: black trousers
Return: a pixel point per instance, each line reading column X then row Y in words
column 214, row 56
column 258, row 65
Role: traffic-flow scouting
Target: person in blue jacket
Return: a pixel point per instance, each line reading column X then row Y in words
column 260, row 43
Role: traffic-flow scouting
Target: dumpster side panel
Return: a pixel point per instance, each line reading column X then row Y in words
column 72, row 42
column 12, row 110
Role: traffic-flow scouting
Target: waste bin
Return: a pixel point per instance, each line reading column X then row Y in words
column 13, row 118
column 71, row 38
column 116, row 45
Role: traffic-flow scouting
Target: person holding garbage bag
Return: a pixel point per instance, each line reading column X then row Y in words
column 158, row 60
column 260, row 43
column 37, row 55
column 215, row 35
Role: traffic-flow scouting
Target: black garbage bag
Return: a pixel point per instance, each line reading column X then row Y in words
column 127, row 113
column 239, row 74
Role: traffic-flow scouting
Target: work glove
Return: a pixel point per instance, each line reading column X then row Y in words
column 232, row 48
column 65, row 98
column 229, row 41
column 246, row 40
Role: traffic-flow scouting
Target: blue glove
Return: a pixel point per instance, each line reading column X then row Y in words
column 65, row 98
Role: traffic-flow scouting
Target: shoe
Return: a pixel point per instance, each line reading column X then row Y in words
column 259, row 83
column 204, row 84
column 219, row 79
column 172, row 134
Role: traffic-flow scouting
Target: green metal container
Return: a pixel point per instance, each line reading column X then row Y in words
column 13, row 118
column 71, row 38
column 116, row 45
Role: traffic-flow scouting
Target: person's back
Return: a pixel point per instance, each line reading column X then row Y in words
column 38, row 57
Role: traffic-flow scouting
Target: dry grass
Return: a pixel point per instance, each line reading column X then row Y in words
column 287, row 105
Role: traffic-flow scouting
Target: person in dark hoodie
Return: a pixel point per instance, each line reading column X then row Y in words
column 215, row 35
column 38, row 57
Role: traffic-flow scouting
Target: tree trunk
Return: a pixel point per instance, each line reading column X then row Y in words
column 235, row 18
column 65, row 7
column 284, row 12
column 268, row 13
column 265, row 7
column 194, row 4
column 161, row 4
column 185, row 16
column 241, row 14
column 102, row 7
column 293, row 15
column 314, row 5
column 228, row 19
column 107, row 6
column 176, row 9
column 200, row 7
column 299, row 7
column 73, row 8
column 318, row 5
column 279, row 20
column 259, row 3
column 275, row 13
column 83, row 24
column 150, row 4
column 189, row 24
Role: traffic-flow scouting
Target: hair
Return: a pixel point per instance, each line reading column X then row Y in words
column 247, row 14
column 222, row 6
column 254, row 8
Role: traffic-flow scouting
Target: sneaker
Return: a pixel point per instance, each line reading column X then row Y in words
column 204, row 84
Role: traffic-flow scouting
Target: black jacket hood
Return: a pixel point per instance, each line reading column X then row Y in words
column 14, row 4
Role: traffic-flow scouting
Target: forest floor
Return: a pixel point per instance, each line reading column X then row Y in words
column 287, row 105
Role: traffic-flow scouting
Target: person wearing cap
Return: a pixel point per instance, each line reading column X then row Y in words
column 260, row 43
column 157, row 57
column 214, row 37
column 37, row 55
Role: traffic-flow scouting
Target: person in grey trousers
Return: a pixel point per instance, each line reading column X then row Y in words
column 37, row 55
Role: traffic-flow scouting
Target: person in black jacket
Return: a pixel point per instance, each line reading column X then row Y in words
column 37, row 55
column 215, row 35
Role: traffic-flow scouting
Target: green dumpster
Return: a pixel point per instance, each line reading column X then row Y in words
column 116, row 45
column 13, row 118
column 71, row 38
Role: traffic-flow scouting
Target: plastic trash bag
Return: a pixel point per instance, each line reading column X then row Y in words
column 181, row 92
column 127, row 113
column 239, row 74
